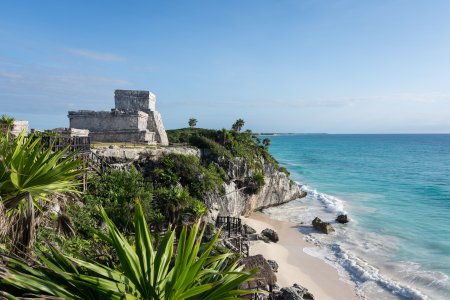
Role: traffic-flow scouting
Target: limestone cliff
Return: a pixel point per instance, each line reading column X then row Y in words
column 232, row 199
column 277, row 189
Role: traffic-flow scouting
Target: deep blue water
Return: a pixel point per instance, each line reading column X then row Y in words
column 396, row 190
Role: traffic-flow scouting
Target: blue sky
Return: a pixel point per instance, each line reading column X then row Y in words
column 342, row 66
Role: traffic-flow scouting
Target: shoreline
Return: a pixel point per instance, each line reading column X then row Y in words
column 295, row 266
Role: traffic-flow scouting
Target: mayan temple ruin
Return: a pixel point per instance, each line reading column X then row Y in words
column 133, row 120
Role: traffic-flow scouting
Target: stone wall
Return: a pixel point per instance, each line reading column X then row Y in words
column 18, row 127
column 155, row 124
column 108, row 121
column 134, row 100
column 115, row 126
column 71, row 132
column 133, row 120
column 122, row 136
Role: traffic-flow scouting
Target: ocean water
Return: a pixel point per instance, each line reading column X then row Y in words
column 396, row 191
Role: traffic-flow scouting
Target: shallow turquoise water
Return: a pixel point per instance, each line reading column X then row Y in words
column 396, row 188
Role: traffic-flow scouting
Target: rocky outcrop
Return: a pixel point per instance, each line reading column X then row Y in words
column 342, row 219
column 273, row 265
column 116, row 156
column 270, row 234
column 296, row 292
column 321, row 226
column 248, row 229
column 234, row 201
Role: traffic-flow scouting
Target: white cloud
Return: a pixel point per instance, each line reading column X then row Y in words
column 101, row 56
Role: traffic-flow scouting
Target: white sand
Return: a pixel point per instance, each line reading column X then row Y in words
column 295, row 266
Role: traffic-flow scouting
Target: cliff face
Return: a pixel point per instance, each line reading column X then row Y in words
column 277, row 189
column 233, row 199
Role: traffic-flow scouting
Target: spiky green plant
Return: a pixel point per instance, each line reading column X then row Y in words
column 6, row 123
column 187, row 271
column 29, row 173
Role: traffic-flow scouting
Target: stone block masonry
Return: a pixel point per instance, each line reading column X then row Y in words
column 133, row 120
column 134, row 100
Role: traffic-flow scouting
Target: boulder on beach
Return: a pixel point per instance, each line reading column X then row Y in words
column 321, row 226
column 248, row 229
column 342, row 219
column 273, row 265
column 263, row 279
column 296, row 292
column 270, row 234
column 264, row 238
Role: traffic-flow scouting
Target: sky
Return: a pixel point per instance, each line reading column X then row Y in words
column 336, row 66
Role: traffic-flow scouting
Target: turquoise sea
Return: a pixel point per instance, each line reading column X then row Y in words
column 396, row 191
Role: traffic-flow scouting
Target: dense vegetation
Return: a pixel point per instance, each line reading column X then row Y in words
column 221, row 146
column 105, row 242
column 99, row 245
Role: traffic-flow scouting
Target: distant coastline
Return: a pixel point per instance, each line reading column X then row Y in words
column 288, row 133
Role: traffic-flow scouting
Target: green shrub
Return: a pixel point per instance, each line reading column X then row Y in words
column 255, row 183
column 116, row 191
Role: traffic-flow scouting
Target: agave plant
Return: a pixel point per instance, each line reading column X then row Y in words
column 187, row 271
column 29, row 173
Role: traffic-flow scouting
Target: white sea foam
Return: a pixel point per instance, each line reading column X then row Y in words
column 331, row 203
column 348, row 247
column 360, row 271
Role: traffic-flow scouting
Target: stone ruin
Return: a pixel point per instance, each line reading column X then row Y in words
column 133, row 120
column 18, row 127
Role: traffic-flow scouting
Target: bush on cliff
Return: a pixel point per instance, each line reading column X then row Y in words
column 189, row 172
column 222, row 145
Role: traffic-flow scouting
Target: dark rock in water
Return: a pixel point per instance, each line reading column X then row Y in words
column 271, row 234
column 322, row 226
column 342, row 219
column 296, row 292
column 248, row 229
column 273, row 265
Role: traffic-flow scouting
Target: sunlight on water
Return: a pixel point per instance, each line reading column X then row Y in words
column 396, row 190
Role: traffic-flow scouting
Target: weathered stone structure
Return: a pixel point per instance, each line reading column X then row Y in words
column 71, row 132
column 18, row 127
column 133, row 120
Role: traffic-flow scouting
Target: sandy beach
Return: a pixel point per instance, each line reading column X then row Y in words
column 295, row 266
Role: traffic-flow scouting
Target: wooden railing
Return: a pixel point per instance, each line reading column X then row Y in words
column 232, row 224
column 75, row 144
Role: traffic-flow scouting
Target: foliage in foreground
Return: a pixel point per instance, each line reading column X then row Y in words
column 186, row 271
column 29, row 172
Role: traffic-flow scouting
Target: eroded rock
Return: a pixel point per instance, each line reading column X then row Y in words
column 248, row 229
column 273, row 265
column 296, row 292
column 342, row 219
column 270, row 234
column 321, row 226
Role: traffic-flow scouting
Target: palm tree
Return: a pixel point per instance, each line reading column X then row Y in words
column 266, row 142
column 237, row 126
column 188, row 271
column 29, row 173
column 224, row 136
column 6, row 123
column 192, row 122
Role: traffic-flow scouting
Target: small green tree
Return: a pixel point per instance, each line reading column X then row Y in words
column 266, row 142
column 192, row 122
column 237, row 126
